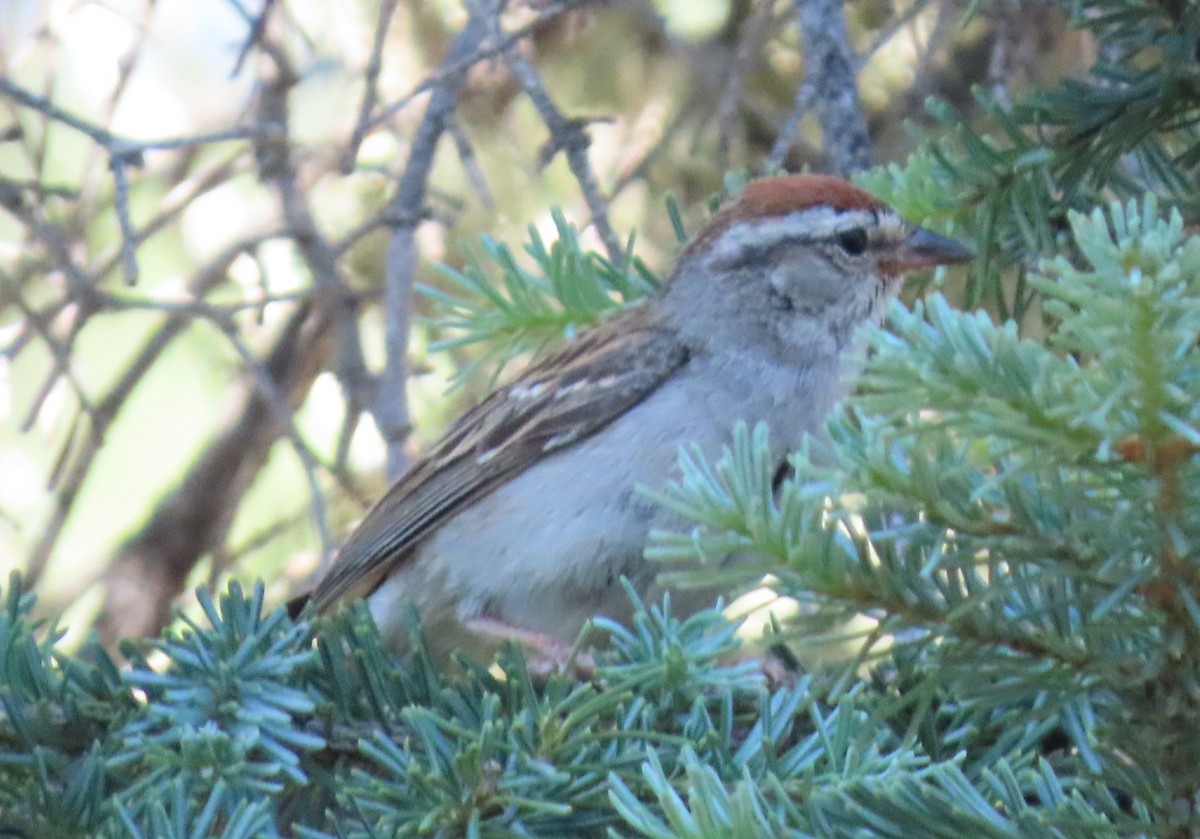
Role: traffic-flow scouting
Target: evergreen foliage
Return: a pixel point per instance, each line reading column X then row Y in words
column 1017, row 520
column 1020, row 522
column 528, row 310
column 1127, row 128
column 1004, row 533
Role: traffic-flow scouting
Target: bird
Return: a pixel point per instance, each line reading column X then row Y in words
column 521, row 521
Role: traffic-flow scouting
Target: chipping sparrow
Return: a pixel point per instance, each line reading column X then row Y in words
column 521, row 520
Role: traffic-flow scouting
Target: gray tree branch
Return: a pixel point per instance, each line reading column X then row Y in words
column 831, row 86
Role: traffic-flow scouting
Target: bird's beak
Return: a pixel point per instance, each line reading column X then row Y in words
column 924, row 249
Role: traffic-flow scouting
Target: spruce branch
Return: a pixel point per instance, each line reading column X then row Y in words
column 1018, row 520
column 528, row 310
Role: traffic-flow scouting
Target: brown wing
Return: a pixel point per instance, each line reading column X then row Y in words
column 560, row 401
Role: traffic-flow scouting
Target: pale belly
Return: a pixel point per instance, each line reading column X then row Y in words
column 546, row 551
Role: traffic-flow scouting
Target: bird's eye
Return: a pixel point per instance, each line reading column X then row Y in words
column 853, row 241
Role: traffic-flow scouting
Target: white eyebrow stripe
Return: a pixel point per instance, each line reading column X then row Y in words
column 809, row 224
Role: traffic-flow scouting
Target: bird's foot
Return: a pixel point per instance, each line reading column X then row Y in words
column 545, row 655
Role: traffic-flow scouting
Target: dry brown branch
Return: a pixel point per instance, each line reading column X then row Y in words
column 193, row 520
column 151, row 568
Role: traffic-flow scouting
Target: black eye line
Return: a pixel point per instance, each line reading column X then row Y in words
column 853, row 241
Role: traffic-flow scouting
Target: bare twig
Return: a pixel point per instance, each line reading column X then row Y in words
column 57, row 245
column 783, row 142
column 40, row 190
column 173, row 204
column 216, row 312
column 278, row 403
column 943, row 24
column 371, row 80
column 123, row 154
column 637, row 170
column 107, row 408
column 126, row 64
column 150, row 569
column 470, row 163
column 129, row 237
column 569, row 137
column 258, row 24
column 449, row 70
column 117, row 145
column 58, row 351
column 357, row 233
column 889, row 29
column 403, row 213
column 331, row 290
column 261, row 538
column 829, row 72
column 749, row 45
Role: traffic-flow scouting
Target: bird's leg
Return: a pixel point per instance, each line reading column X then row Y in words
column 545, row 655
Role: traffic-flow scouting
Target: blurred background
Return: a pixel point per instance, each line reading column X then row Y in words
column 214, row 214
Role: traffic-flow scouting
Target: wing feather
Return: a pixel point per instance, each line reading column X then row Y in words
column 564, row 399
